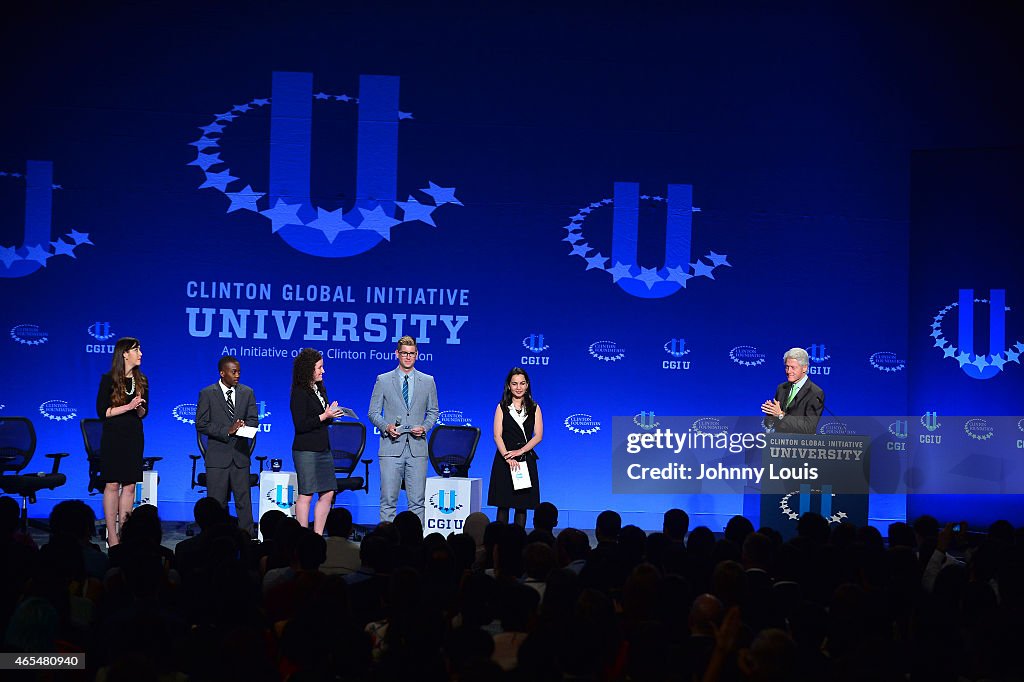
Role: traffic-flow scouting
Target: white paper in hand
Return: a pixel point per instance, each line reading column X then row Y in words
column 521, row 477
column 246, row 431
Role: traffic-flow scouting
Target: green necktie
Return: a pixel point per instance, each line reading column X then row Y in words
column 792, row 394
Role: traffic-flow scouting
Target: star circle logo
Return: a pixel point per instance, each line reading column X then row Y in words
column 58, row 410
column 886, row 361
column 582, row 423
column 289, row 207
column 608, row 351
column 793, row 516
column 185, row 413
column 631, row 277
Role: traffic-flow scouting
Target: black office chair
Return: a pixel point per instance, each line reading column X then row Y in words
column 17, row 445
column 348, row 439
column 453, row 446
column 92, row 436
column 199, row 481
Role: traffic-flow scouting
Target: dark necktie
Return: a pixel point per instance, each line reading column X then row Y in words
column 231, row 404
column 405, row 391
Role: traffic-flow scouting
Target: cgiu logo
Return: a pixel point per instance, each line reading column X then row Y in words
column 58, row 410
column 886, row 361
column 645, row 420
column 535, row 344
column 185, row 413
column 36, row 247
column 817, row 352
column 818, row 355
column 307, row 227
column 29, row 334
column 625, row 269
column 930, row 421
column 974, row 365
column 262, row 413
column 677, row 349
column 806, row 496
column 437, row 501
column 100, row 331
column 282, row 495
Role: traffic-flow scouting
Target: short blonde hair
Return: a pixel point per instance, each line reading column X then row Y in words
column 406, row 341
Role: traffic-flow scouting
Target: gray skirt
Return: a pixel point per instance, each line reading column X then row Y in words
column 315, row 471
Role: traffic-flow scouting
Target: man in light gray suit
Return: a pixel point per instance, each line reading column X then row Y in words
column 223, row 408
column 403, row 407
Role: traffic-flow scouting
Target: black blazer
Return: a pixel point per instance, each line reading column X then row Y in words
column 803, row 413
column 212, row 419
column 310, row 432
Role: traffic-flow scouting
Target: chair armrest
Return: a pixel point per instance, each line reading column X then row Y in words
column 57, row 457
column 366, row 475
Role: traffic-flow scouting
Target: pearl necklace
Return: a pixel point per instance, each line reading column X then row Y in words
column 130, row 391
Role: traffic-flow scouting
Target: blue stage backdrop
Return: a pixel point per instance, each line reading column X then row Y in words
column 645, row 209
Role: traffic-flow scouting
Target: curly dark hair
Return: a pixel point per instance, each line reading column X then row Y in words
column 302, row 370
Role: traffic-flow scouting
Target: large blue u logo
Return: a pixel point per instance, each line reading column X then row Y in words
column 623, row 265
column 285, row 497
column 38, row 214
column 301, row 222
column 291, row 130
column 996, row 333
column 678, row 238
column 441, row 506
column 974, row 364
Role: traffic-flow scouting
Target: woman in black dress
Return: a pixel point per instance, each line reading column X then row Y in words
column 518, row 427
column 121, row 403
column 311, row 448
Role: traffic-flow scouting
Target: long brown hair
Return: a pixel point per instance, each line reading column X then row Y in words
column 117, row 392
column 506, row 395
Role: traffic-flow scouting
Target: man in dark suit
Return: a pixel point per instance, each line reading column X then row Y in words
column 223, row 408
column 798, row 401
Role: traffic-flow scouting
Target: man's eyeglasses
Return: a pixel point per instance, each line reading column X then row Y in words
column 407, row 354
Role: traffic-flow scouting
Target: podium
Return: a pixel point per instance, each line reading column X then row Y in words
column 449, row 501
column 841, row 466
column 278, row 490
column 146, row 489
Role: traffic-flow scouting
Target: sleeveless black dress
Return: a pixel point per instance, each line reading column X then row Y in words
column 122, row 442
column 500, row 492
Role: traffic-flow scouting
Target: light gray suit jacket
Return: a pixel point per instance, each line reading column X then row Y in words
column 387, row 400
